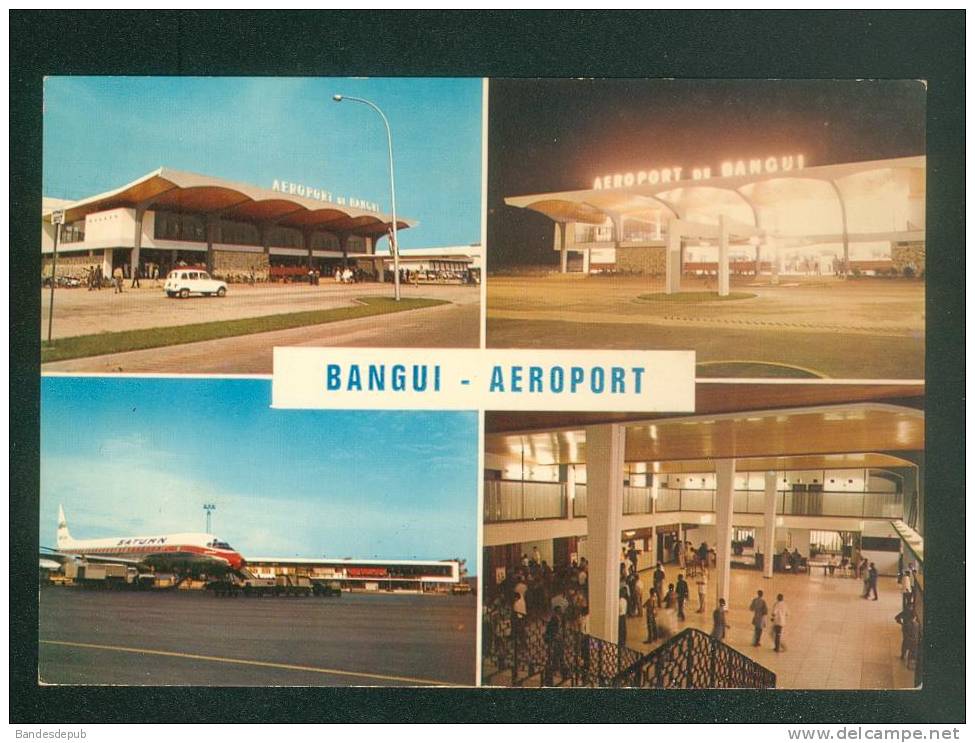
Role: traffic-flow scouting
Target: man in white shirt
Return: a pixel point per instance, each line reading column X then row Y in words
column 623, row 606
column 779, row 615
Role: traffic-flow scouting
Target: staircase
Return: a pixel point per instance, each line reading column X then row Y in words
column 517, row 653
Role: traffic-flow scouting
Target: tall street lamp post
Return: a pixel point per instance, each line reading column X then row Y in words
column 394, row 245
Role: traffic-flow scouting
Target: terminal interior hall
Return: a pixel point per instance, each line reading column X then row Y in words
column 783, row 488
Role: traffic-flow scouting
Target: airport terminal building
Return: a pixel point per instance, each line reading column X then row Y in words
column 771, row 215
column 365, row 575
column 236, row 231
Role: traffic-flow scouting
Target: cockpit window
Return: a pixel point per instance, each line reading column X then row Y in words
column 221, row 545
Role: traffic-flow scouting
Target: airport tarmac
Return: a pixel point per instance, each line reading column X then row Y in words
column 194, row 638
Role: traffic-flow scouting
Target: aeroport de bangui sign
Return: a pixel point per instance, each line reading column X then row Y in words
column 752, row 166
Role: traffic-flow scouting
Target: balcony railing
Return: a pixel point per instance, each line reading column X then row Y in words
column 509, row 500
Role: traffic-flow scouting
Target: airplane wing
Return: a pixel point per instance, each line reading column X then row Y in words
column 52, row 555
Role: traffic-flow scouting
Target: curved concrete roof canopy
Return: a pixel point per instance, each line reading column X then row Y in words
column 201, row 194
column 862, row 190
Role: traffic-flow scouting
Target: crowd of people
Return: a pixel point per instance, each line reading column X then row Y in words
column 557, row 598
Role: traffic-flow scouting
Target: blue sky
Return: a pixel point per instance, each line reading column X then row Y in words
column 103, row 132
column 130, row 456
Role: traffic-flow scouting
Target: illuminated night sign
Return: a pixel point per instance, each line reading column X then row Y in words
column 752, row 166
column 321, row 194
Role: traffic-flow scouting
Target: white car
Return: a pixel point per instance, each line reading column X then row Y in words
column 185, row 281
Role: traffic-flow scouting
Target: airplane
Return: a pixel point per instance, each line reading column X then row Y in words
column 186, row 548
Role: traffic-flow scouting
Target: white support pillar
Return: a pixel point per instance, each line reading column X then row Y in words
column 567, row 476
column 723, row 278
column 773, row 251
column 107, row 257
column 137, row 241
column 560, row 229
column 674, row 267
column 586, row 260
column 724, row 505
column 604, row 504
column 768, row 538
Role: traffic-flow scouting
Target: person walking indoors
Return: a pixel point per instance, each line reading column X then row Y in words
column 622, row 620
column 779, row 615
column 683, row 593
column 648, row 606
column 759, row 610
column 910, row 629
column 702, row 589
column 658, row 582
column 872, row 576
column 720, row 616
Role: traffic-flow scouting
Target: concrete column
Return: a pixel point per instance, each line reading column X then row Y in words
column 211, row 226
column 773, row 251
column 561, row 228
column 265, row 230
column 768, row 538
column 604, row 478
column 344, row 247
column 567, row 476
column 107, row 258
column 306, row 242
column 724, row 506
column 673, row 256
column 723, row 278
column 137, row 240
column 586, row 260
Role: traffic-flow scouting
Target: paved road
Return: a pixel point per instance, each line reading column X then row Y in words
column 841, row 329
column 193, row 638
column 444, row 326
column 80, row 312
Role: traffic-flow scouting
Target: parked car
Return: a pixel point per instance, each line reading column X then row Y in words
column 182, row 282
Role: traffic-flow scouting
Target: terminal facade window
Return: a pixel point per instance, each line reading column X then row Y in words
column 176, row 226
column 74, row 232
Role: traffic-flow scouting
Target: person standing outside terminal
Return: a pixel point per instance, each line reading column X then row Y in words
column 779, row 615
column 683, row 593
column 759, row 610
column 135, row 278
column 658, row 582
column 720, row 616
column 118, row 277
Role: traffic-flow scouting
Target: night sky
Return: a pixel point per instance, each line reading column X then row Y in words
column 552, row 135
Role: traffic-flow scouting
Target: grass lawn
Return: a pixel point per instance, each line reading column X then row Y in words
column 82, row 346
column 694, row 297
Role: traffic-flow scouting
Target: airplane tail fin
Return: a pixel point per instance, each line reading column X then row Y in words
column 64, row 536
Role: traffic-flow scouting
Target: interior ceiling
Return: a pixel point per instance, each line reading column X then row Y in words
column 718, row 397
column 863, row 460
column 855, row 429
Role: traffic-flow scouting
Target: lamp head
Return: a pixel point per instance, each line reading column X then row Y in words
column 337, row 98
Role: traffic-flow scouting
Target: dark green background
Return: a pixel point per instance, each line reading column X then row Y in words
column 754, row 44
